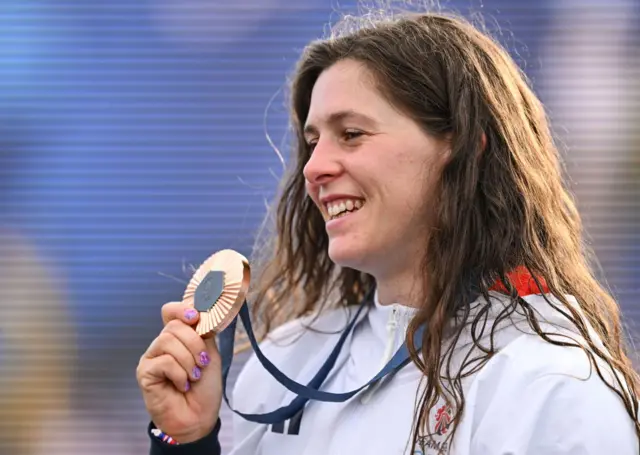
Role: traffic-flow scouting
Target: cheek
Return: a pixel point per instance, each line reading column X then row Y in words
column 408, row 178
column 412, row 194
column 312, row 192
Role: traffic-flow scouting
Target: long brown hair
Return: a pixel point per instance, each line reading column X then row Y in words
column 501, row 201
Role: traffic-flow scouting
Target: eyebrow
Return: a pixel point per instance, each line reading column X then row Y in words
column 338, row 117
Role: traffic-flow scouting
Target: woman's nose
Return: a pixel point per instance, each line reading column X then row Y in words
column 324, row 164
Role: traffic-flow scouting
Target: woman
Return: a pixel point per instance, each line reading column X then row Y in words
column 426, row 174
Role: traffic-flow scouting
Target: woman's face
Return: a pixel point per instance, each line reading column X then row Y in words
column 371, row 173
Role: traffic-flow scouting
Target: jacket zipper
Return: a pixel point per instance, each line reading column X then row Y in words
column 392, row 329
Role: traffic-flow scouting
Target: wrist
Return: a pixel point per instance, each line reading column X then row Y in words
column 163, row 444
column 184, row 437
column 188, row 438
column 159, row 434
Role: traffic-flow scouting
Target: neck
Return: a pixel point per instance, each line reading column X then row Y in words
column 403, row 290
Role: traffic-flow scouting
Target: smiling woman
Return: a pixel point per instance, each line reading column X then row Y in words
column 425, row 207
column 375, row 153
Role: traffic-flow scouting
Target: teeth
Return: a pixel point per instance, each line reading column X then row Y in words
column 339, row 209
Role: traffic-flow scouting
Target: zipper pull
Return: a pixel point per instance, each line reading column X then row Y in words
column 392, row 326
column 392, row 323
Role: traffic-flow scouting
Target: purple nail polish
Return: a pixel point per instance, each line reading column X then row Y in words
column 204, row 358
column 190, row 314
column 196, row 372
column 187, row 386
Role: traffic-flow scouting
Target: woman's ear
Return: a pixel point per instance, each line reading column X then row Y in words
column 446, row 146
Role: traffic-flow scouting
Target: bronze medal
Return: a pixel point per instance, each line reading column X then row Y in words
column 218, row 290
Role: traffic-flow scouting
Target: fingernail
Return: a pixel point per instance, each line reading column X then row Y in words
column 190, row 314
column 196, row 372
column 187, row 386
column 204, row 358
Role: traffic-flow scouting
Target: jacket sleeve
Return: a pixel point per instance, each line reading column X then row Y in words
column 558, row 415
column 209, row 445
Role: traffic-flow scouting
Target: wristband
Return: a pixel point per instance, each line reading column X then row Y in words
column 164, row 437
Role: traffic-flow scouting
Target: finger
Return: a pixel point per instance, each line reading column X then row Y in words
column 168, row 343
column 181, row 311
column 165, row 368
column 191, row 340
column 211, row 345
column 211, row 355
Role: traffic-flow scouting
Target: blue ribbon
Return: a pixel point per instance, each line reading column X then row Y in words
column 310, row 391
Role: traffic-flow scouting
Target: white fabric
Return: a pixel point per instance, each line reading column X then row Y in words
column 531, row 398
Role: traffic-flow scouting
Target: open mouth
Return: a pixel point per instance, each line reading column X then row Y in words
column 338, row 209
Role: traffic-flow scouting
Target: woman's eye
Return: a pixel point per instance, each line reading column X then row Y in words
column 351, row 134
column 347, row 135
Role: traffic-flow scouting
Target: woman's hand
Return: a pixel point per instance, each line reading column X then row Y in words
column 180, row 376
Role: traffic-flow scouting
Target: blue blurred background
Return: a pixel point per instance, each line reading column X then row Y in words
column 135, row 141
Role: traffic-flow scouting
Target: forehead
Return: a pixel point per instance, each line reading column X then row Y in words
column 346, row 86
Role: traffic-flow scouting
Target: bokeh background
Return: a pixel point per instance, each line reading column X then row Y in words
column 136, row 138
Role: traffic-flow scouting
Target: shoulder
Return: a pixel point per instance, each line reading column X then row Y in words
column 524, row 353
column 552, row 413
column 546, row 398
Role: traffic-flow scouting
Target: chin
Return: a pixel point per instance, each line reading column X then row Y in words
column 346, row 254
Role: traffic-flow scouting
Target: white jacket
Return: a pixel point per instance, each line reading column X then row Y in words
column 531, row 398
